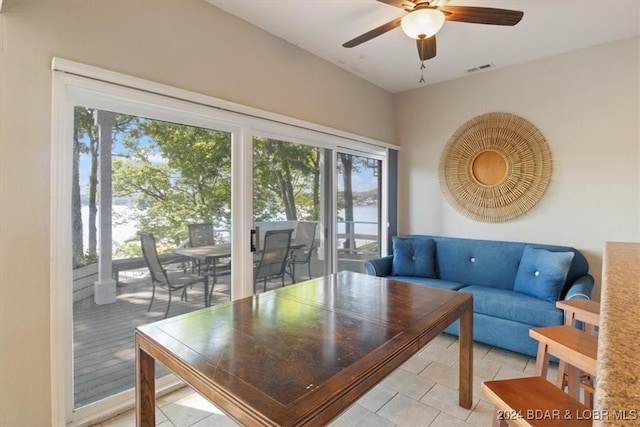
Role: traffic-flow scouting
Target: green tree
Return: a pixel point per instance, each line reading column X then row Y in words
column 286, row 180
column 349, row 164
column 86, row 140
column 346, row 162
column 83, row 129
column 176, row 175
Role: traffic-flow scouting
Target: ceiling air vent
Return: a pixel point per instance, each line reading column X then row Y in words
column 480, row 68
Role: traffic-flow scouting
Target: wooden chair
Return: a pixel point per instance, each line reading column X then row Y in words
column 583, row 314
column 274, row 256
column 534, row 401
column 581, row 310
column 305, row 233
column 159, row 275
column 575, row 349
column 570, row 345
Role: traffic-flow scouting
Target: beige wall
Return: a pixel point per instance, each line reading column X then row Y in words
column 586, row 104
column 184, row 43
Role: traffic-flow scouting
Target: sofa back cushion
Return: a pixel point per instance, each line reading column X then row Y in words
column 490, row 263
column 413, row 257
column 542, row 273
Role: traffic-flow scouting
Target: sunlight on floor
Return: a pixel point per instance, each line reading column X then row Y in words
column 423, row 391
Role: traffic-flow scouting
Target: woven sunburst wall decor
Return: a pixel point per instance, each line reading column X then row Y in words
column 495, row 167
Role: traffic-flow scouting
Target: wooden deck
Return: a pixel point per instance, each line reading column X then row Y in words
column 103, row 335
column 104, row 360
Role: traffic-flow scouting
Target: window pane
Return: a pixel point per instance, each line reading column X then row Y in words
column 358, row 205
column 156, row 177
column 288, row 194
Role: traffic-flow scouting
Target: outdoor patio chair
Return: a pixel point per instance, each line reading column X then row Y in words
column 202, row 235
column 272, row 263
column 159, row 276
column 305, row 234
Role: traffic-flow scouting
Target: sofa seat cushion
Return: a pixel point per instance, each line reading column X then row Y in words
column 442, row 284
column 514, row 306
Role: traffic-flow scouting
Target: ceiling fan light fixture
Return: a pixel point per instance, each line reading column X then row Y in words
column 422, row 23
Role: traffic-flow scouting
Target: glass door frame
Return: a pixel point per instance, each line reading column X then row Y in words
column 79, row 84
column 384, row 197
column 101, row 96
column 309, row 139
column 334, row 144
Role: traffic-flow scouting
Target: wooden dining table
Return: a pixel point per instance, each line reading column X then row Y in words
column 302, row 354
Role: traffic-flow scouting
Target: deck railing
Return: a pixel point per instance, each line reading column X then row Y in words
column 360, row 241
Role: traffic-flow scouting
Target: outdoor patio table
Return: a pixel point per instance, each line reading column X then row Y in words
column 302, row 354
column 223, row 250
column 204, row 253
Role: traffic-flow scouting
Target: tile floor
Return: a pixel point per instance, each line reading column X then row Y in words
column 422, row 392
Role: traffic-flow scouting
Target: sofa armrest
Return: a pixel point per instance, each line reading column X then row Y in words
column 580, row 288
column 380, row 267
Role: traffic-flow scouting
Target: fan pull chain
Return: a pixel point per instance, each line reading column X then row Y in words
column 422, row 67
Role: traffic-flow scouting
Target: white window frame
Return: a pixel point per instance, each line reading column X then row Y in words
column 384, row 217
column 79, row 84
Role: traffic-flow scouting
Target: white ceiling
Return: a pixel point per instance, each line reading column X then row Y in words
column 391, row 62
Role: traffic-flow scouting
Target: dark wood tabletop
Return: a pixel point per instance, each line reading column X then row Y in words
column 302, row 354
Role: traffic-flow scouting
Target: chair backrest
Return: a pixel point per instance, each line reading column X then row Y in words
column 201, row 235
column 150, row 253
column 275, row 253
column 306, row 233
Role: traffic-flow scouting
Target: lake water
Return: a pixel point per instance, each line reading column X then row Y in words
column 365, row 217
column 120, row 232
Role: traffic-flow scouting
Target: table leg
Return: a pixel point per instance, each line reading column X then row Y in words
column 206, row 290
column 573, row 381
column 542, row 360
column 145, row 388
column 466, row 358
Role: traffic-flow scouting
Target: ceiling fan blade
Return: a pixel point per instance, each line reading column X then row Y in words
column 482, row 15
column 427, row 48
column 373, row 33
column 396, row 3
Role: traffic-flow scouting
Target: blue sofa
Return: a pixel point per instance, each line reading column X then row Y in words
column 514, row 285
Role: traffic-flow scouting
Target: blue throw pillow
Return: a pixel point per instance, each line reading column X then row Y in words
column 413, row 257
column 542, row 273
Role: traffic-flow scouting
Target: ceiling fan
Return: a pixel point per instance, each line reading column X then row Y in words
column 424, row 20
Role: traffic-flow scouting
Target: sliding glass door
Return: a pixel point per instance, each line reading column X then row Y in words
column 133, row 174
column 289, row 202
column 330, row 201
column 132, row 165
